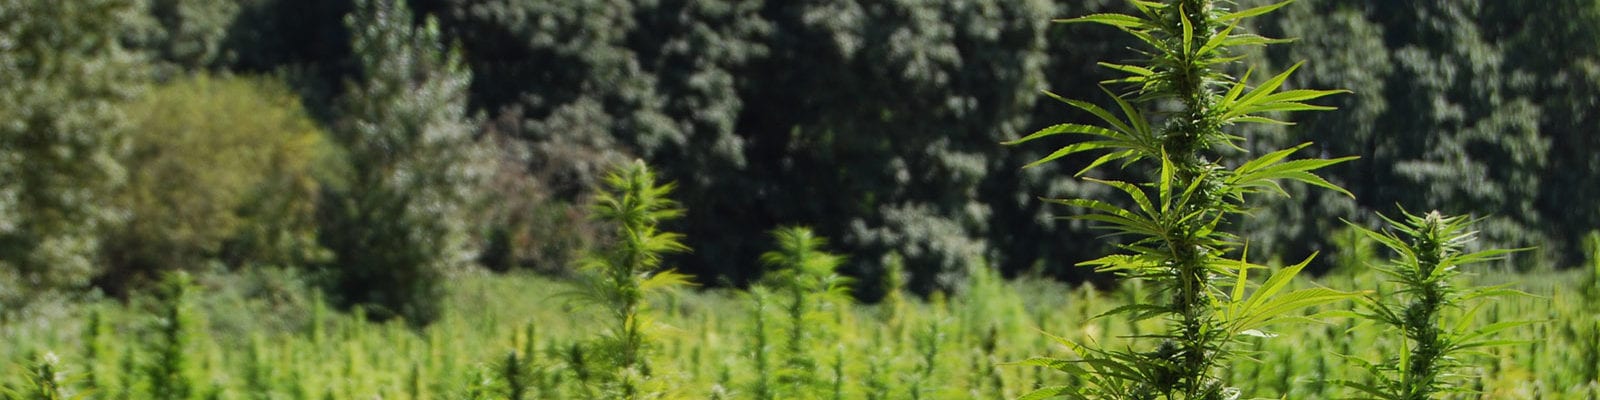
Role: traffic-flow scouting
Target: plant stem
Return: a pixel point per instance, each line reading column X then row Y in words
column 1183, row 142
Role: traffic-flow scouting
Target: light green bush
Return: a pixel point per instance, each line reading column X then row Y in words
column 227, row 172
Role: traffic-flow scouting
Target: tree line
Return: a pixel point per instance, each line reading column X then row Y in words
column 413, row 138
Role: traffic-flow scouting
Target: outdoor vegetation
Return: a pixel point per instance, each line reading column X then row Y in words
column 770, row 199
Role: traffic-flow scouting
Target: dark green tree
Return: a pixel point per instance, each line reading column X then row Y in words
column 400, row 218
column 590, row 83
column 1566, row 85
column 65, row 75
column 1442, row 115
column 883, row 120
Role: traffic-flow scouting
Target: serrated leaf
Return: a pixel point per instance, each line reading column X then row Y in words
column 1252, row 12
column 1059, row 129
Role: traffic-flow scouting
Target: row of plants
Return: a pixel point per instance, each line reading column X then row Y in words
column 637, row 334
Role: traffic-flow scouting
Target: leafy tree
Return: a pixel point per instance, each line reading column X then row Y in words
column 1566, row 88
column 883, row 119
column 66, row 71
column 1025, row 232
column 399, row 219
column 1442, row 116
column 306, row 42
column 590, row 83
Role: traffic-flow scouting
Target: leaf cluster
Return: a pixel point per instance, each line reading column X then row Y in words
column 627, row 267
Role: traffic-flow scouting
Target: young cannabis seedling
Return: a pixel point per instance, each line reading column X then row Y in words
column 1173, row 123
column 1430, row 252
column 623, row 272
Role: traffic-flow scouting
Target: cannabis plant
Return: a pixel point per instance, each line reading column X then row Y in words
column 805, row 272
column 1431, row 250
column 1177, row 106
column 621, row 273
column 172, row 370
column 45, row 381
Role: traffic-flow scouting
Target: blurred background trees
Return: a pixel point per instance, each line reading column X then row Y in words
column 64, row 75
column 478, row 138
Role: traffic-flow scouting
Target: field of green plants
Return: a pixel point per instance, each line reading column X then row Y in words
column 509, row 336
column 250, row 259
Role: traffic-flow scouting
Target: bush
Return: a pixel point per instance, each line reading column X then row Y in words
column 527, row 225
column 226, row 172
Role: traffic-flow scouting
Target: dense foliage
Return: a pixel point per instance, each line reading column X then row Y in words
column 400, row 216
column 250, row 182
column 66, row 73
column 332, row 199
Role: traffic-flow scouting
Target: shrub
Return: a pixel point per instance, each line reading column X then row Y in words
column 1179, row 103
column 527, row 225
column 227, row 172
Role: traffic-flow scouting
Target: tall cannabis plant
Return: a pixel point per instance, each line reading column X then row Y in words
column 623, row 272
column 1177, row 108
column 805, row 272
column 1427, row 307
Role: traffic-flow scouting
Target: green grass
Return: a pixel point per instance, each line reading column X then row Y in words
column 947, row 348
